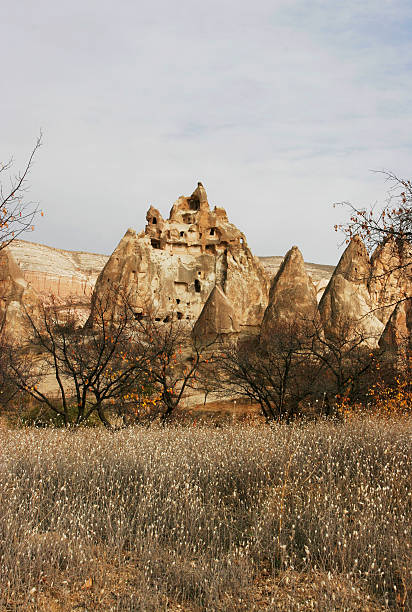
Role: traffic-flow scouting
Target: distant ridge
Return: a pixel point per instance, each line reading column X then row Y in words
column 316, row 271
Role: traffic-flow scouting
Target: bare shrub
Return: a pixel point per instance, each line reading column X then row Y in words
column 229, row 519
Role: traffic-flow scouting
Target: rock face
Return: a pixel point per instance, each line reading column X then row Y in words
column 346, row 307
column 58, row 272
column 397, row 336
column 217, row 318
column 64, row 276
column 319, row 274
column 391, row 276
column 292, row 297
column 173, row 266
column 16, row 296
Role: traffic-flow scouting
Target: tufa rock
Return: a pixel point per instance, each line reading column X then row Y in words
column 172, row 267
column 346, row 307
column 57, row 276
column 397, row 335
column 16, row 297
column 292, row 297
column 391, row 276
column 217, row 318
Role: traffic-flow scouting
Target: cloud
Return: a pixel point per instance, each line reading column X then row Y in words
column 281, row 108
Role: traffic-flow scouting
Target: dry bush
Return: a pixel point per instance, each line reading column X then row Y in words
column 241, row 518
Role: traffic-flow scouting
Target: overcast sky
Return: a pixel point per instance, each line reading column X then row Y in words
column 279, row 107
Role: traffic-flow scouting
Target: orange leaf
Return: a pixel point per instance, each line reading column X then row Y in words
column 88, row 583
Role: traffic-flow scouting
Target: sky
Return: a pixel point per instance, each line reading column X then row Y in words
column 280, row 108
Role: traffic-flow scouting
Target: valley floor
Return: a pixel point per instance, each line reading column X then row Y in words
column 241, row 517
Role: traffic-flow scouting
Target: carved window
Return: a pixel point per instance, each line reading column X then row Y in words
column 212, row 231
column 197, row 285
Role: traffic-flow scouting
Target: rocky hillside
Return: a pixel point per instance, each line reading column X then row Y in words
column 63, row 273
column 57, row 272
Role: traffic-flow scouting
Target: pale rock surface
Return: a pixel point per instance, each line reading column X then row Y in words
column 391, row 276
column 320, row 287
column 59, row 275
column 397, row 336
column 16, row 297
column 216, row 319
column 172, row 267
column 346, row 306
column 292, row 297
column 320, row 274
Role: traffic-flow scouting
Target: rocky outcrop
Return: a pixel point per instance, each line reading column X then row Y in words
column 318, row 273
column 397, row 336
column 173, row 266
column 56, row 272
column 217, row 318
column 292, row 297
column 64, row 277
column 16, row 297
column 391, row 276
column 346, row 307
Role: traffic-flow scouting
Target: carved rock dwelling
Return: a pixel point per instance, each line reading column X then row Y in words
column 173, row 266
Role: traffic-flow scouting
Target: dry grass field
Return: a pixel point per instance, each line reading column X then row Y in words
column 303, row 517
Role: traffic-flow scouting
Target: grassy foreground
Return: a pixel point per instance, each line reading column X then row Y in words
column 313, row 517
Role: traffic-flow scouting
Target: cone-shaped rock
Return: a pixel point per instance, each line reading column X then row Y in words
column 354, row 265
column 397, row 335
column 217, row 318
column 346, row 308
column 292, row 297
column 391, row 276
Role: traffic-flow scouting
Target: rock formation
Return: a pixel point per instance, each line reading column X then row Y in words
column 397, row 335
column 16, row 297
column 292, row 297
column 319, row 274
column 63, row 275
column 217, row 318
column 346, row 307
column 172, row 267
column 71, row 275
column 391, row 276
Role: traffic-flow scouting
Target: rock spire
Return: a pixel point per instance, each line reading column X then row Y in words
column 292, row 297
column 217, row 318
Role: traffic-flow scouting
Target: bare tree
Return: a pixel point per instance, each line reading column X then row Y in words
column 277, row 372
column 16, row 213
column 394, row 219
column 348, row 363
column 174, row 361
column 91, row 367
